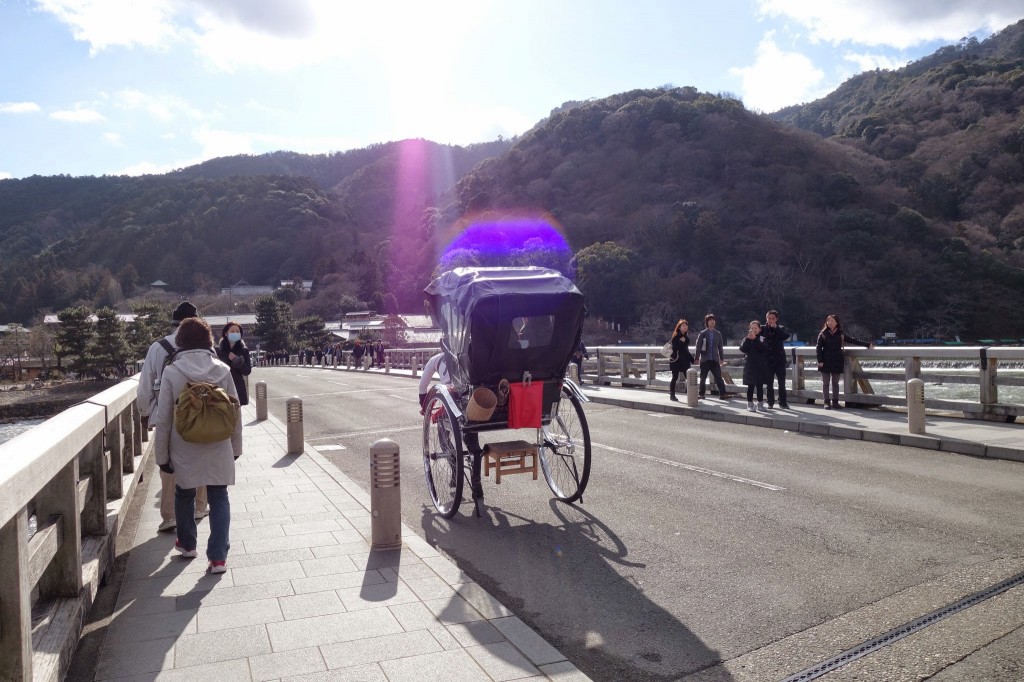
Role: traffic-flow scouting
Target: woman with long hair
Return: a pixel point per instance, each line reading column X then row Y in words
column 681, row 359
column 831, row 342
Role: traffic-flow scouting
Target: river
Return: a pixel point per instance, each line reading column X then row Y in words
column 12, row 429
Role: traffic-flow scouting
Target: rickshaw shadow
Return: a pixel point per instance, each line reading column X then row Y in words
column 574, row 583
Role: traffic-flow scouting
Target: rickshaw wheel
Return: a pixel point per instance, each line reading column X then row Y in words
column 564, row 447
column 442, row 456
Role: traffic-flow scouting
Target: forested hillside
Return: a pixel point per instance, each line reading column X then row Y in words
column 897, row 201
column 95, row 240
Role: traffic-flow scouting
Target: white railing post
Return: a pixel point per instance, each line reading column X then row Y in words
column 915, row 406
column 15, row 601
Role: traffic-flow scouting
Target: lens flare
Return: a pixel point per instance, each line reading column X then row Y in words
column 516, row 239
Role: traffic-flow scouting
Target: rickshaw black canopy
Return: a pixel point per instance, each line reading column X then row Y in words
column 498, row 323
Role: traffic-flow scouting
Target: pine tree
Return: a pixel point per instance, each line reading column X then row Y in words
column 74, row 338
column 109, row 349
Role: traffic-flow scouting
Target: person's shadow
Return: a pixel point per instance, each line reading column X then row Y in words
column 575, row 584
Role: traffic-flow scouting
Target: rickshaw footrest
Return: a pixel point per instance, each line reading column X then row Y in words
column 510, row 457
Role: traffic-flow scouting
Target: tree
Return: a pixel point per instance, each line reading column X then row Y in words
column 311, row 332
column 40, row 345
column 12, row 349
column 151, row 323
column 273, row 323
column 74, row 338
column 605, row 275
column 109, row 350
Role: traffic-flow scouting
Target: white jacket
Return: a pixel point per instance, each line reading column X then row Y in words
column 149, row 378
column 195, row 464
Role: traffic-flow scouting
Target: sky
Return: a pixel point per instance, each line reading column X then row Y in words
column 129, row 87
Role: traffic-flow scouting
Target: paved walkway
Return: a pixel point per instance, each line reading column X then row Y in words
column 305, row 598
column 949, row 433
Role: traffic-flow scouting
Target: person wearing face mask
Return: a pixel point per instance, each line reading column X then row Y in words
column 233, row 352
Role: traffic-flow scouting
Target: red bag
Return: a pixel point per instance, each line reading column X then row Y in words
column 524, row 405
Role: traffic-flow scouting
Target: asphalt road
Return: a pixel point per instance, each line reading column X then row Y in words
column 697, row 542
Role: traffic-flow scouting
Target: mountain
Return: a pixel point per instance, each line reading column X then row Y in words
column 896, row 202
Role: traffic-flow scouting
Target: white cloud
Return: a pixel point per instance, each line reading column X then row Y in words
column 18, row 107
column 777, row 79
column 109, row 23
column 150, row 168
column 78, row 115
column 870, row 62
column 901, row 24
column 4, row 175
column 112, row 138
column 164, row 108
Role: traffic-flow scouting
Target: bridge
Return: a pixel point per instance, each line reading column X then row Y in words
column 306, row 595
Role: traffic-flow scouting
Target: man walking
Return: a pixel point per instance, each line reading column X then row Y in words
column 775, row 336
column 710, row 351
column 157, row 357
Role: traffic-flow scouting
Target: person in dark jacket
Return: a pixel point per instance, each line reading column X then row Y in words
column 233, row 352
column 680, row 360
column 755, row 369
column 775, row 336
column 357, row 354
column 831, row 342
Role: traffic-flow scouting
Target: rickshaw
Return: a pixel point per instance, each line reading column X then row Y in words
column 508, row 335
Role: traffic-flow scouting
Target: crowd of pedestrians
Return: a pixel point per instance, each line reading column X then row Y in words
column 765, row 359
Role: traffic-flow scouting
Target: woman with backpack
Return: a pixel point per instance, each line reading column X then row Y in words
column 185, row 446
column 233, row 352
column 680, row 360
column 831, row 342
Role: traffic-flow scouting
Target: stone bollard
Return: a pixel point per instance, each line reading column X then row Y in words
column 348, row 361
column 387, row 364
column 385, row 495
column 915, row 405
column 691, row 386
column 366, row 362
column 574, row 373
column 415, row 364
column 261, row 400
column 295, row 435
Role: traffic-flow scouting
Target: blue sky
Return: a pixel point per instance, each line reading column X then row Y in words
column 93, row 87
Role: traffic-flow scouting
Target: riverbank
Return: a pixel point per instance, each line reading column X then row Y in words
column 19, row 404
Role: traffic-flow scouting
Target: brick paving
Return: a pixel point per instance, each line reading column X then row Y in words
column 305, row 599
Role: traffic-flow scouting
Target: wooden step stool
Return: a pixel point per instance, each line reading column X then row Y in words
column 511, row 457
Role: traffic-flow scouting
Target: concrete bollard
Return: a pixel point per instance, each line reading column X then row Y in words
column 366, row 362
column 574, row 373
column 915, row 405
column 692, row 379
column 348, row 361
column 387, row 364
column 261, row 400
column 385, row 495
column 295, row 435
column 415, row 364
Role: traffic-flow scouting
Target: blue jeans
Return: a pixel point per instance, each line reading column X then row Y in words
column 220, row 520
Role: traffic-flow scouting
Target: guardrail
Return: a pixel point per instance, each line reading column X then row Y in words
column 639, row 366
column 397, row 358
column 71, row 475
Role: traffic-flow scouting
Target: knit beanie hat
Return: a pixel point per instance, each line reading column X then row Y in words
column 184, row 311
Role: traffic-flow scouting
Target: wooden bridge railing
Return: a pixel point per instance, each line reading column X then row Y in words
column 70, row 475
column 639, row 366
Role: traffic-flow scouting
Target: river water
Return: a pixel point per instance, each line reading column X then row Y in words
column 9, row 431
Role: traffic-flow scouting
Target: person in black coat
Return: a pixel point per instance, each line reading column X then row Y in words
column 755, row 369
column 233, row 352
column 680, row 360
column 775, row 337
column 831, row 363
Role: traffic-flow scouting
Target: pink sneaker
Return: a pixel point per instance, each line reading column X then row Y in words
column 186, row 553
column 217, row 567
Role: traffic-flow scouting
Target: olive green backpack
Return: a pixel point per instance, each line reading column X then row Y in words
column 205, row 413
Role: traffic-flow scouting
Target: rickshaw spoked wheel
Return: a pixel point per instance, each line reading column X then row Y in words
column 442, row 456
column 564, row 447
